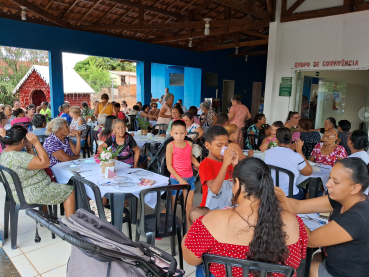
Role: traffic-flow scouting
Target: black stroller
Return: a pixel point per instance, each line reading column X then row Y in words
column 100, row 249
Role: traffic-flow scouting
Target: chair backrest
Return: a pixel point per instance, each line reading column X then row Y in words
column 24, row 124
column 246, row 265
column 81, row 198
column 254, row 140
column 193, row 135
column 163, row 170
column 291, row 177
column 168, row 226
column 42, row 138
column 161, row 127
column 6, row 175
column 132, row 126
column 95, row 138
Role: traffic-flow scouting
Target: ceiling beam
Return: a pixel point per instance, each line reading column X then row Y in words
column 213, row 32
column 270, row 6
column 89, row 10
column 247, row 7
column 254, row 53
column 294, row 6
column 41, row 12
column 165, row 26
column 315, row 14
column 233, row 45
column 106, row 14
column 362, row 6
column 70, row 8
column 147, row 8
column 255, row 34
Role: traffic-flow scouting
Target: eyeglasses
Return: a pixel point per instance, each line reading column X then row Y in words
column 296, row 117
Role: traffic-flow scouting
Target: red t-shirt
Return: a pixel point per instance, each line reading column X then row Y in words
column 209, row 170
column 121, row 115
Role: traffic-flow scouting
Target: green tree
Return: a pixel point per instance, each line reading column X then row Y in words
column 14, row 64
column 106, row 64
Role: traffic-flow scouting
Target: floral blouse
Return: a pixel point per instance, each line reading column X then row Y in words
column 209, row 117
column 338, row 152
column 254, row 129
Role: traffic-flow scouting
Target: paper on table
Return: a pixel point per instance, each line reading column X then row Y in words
column 109, row 172
column 316, row 169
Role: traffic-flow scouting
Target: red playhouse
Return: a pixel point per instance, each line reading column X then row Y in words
column 34, row 87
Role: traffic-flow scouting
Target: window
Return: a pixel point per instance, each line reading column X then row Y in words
column 176, row 79
column 123, row 80
column 211, row 79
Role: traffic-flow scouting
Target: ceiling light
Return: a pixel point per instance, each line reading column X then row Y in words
column 190, row 43
column 23, row 13
column 236, row 51
column 207, row 26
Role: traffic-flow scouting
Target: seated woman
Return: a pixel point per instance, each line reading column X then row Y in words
column 193, row 110
column 256, row 229
column 177, row 114
column 154, row 111
column 292, row 121
column 65, row 109
column 343, row 128
column 57, row 145
column 345, row 238
column 108, row 130
column 328, row 152
column 39, row 122
column 191, row 126
column 19, row 117
column 31, row 111
column 37, row 185
column 232, row 130
column 307, row 135
column 329, row 123
column 358, row 143
column 283, row 156
column 78, row 125
column 100, row 122
column 271, row 140
column 145, row 113
column 254, row 129
column 129, row 153
column 118, row 113
column 125, row 108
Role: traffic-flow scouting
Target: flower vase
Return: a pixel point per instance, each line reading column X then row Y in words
column 110, row 164
column 144, row 132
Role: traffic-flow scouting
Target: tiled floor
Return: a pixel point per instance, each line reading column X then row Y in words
column 49, row 257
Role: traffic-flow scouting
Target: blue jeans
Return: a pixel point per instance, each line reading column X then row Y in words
column 191, row 181
column 200, row 271
column 300, row 195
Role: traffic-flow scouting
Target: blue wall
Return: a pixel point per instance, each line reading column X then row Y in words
column 34, row 36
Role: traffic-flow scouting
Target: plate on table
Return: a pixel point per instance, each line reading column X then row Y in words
column 127, row 184
column 89, row 161
column 312, row 163
column 123, row 179
column 145, row 139
column 142, row 173
column 108, row 184
column 72, row 167
column 159, row 138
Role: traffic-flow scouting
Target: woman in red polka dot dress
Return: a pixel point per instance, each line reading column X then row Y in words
column 256, row 229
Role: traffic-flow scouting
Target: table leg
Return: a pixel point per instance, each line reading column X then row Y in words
column 313, row 187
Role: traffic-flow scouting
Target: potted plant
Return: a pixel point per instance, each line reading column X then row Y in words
column 88, row 114
column 107, row 158
column 144, row 125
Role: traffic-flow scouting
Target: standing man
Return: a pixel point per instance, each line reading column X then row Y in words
column 163, row 96
column 45, row 110
column 184, row 109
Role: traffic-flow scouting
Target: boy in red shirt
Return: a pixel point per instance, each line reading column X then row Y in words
column 216, row 170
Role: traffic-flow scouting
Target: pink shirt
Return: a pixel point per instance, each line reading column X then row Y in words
column 18, row 120
column 196, row 120
column 181, row 160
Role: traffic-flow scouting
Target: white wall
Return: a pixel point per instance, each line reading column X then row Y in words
column 320, row 39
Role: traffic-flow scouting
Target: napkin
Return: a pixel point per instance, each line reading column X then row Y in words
column 150, row 136
column 109, row 173
column 147, row 182
column 138, row 133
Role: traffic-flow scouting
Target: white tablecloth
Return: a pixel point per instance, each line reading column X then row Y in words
column 142, row 140
column 153, row 122
column 313, row 221
column 319, row 171
column 63, row 174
